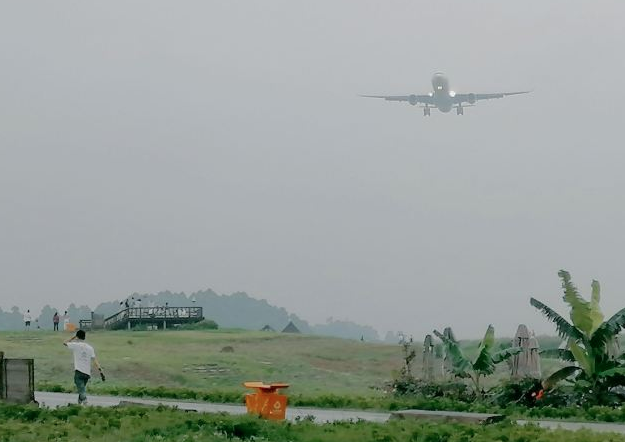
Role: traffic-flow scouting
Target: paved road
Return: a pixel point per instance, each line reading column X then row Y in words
column 54, row 400
column 599, row 427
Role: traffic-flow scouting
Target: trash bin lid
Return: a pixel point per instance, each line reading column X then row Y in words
column 265, row 387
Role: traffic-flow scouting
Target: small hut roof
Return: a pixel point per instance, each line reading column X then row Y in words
column 268, row 327
column 291, row 328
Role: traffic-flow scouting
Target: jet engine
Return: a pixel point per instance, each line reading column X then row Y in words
column 412, row 99
column 471, row 98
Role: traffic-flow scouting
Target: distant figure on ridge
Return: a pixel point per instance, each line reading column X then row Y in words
column 27, row 319
column 55, row 321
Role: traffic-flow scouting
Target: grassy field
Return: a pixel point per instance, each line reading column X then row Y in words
column 199, row 360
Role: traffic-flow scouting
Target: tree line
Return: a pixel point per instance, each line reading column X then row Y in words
column 238, row 310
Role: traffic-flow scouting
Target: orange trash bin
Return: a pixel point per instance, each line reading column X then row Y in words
column 266, row 402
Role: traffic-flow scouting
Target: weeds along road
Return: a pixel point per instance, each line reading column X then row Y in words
column 54, row 400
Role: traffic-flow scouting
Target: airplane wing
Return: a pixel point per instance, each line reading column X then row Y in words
column 412, row 99
column 472, row 98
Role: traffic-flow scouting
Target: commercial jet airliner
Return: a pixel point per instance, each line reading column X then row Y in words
column 443, row 98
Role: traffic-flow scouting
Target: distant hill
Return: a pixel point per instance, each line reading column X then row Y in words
column 238, row 310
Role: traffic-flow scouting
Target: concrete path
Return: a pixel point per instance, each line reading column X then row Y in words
column 54, row 400
column 599, row 427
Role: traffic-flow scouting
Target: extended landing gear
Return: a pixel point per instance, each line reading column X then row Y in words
column 459, row 110
column 426, row 111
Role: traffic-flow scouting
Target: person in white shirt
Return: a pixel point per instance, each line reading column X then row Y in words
column 27, row 319
column 65, row 320
column 84, row 354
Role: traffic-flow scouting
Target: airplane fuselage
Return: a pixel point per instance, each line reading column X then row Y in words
column 442, row 95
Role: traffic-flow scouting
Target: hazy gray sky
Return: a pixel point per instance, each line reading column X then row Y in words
column 152, row 145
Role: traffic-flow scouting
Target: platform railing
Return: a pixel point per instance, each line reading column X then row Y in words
column 153, row 313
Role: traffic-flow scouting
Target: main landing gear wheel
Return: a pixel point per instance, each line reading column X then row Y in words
column 460, row 110
column 426, row 111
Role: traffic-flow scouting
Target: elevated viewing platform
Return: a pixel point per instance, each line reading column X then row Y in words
column 161, row 317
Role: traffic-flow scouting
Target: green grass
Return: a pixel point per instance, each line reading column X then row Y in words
column 194, row 360
column 323, row 372
column 140, row 424
column 191, row 363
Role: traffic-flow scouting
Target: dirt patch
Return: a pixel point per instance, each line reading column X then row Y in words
column 208, row 369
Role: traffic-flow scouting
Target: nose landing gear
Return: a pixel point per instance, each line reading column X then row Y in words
column 426, row 111
column 459, row 110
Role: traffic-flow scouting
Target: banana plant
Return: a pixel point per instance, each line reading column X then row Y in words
column 591, row 342
column 485, row 362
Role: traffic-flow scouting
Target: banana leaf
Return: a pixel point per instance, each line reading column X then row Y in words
column 560, row 375
column 608, row 330
column 583, row 314
column 585, row 361
column 563, row 327
column 558, row 353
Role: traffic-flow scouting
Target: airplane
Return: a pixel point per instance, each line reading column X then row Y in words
column 443, row 98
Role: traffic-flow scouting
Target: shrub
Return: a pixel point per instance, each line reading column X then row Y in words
column 417, row 387
column 205, row 324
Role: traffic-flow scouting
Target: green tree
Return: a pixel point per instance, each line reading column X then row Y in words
column 485, row 362
column 591, row 343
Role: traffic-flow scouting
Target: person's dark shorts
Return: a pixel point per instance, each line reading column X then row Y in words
column 27, row 323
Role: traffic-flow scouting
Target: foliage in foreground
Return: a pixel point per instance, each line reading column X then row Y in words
column 139, row 424
column 483, row 365
column 592, row 347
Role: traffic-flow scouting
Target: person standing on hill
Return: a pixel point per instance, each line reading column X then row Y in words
column 84, row 354
column 55, row 321
column 27, row 320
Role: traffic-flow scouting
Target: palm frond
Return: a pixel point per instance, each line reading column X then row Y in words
column 595, row 295
column 580, row 308
column 582, row 356
column 440, row 336
column 484, row 361
column 563, row 327
column 616, row 371
column 460, row 364
column 558, row 353
column 489, row 337
column 608, row 330
column 596, row 315
column 506, row 353
column 560, row 375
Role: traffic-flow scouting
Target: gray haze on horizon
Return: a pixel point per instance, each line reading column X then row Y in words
column 151, row 145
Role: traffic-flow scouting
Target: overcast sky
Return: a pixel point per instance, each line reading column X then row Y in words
column 153, row 145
